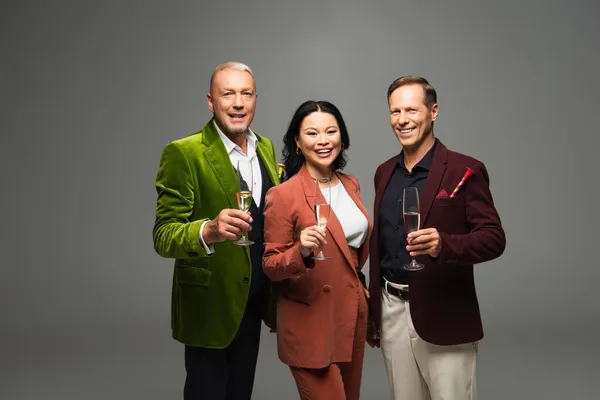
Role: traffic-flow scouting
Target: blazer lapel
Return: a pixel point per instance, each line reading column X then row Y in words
column 386, row 175
column 333, row 224
column 218, row 159
column 268, row 160
column 434, row 178
column 337, row 233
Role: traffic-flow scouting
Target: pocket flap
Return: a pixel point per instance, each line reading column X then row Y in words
column 301, row 288
column 448, row 201
column 194, row 276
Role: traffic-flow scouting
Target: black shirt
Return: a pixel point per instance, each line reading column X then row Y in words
column 392, row 235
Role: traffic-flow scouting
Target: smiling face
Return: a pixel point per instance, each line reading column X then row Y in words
column 232, row 100
column 320, row 141
column 411, row 120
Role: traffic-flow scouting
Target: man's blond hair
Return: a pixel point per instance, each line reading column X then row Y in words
column 229, row 65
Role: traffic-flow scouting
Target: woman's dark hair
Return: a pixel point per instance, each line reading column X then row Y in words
column 294, row 161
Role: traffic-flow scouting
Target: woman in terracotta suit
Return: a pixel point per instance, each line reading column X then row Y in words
column 321, row 305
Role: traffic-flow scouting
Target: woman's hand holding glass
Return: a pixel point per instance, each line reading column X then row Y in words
column 311, row 239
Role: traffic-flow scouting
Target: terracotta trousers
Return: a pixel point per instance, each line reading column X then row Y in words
column 338, row 381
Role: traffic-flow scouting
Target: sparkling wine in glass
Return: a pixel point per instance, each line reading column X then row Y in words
column 244, row 196
column 412, row 220
column 322, row 210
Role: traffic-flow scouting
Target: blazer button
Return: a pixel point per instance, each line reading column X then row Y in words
column 246, row 279
column 327, row 288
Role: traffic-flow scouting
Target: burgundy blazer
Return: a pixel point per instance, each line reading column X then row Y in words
column 443, row 301
column 317, row 307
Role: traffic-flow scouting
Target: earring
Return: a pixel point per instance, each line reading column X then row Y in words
column 298, row 151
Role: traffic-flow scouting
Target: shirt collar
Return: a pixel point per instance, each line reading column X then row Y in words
column 230, row 146
column 425, row 162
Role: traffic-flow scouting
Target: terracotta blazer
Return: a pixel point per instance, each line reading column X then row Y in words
column 317, row 301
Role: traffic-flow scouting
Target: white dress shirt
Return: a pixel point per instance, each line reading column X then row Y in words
column 236, row 154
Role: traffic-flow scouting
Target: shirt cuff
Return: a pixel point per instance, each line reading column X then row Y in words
column 211, row 249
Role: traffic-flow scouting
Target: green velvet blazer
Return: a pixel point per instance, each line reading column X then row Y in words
column 195, row 181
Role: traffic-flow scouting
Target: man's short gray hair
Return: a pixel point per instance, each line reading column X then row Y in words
column 229, row 65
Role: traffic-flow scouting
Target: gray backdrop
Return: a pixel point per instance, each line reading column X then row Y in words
column 91, row 91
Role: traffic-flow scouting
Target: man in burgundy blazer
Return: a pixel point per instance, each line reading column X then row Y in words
column 427, row 322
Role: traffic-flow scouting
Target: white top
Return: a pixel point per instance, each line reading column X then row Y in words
column 236, row 154
column 353, row 221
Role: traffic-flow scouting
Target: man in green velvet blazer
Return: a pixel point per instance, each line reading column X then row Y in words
column 219, row 292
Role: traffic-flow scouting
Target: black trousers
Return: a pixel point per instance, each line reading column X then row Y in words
column 225, row 374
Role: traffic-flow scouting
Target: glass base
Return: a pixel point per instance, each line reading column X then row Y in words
column 243, row 242
column 414, row 266
column 320, row 256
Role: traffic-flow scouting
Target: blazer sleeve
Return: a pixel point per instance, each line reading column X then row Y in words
column 174, row 235
column 486, row 239
column 282, row 258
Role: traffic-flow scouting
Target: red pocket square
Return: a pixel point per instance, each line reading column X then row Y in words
column 442, row 195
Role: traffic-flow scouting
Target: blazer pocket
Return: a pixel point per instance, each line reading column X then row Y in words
column 448, row 201
column 193, row 276
column 301, row 289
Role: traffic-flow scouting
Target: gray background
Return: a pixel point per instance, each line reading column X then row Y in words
column 92, row 91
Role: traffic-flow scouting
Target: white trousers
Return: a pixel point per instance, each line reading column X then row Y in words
column 416, row 369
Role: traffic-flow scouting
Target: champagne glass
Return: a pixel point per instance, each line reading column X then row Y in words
column 244, row 196
column 412, row 220
column 322, row 210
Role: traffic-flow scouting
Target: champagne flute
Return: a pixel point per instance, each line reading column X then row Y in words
column 322, row 210
column 244, row 196
column 412, row 220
